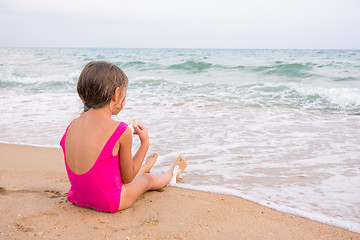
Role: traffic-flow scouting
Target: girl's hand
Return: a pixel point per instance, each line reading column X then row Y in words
column 142, row 132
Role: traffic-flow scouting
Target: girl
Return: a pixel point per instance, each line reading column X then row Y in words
column 97, row 149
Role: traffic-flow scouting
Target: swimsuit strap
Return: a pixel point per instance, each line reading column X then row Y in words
column 110, row 144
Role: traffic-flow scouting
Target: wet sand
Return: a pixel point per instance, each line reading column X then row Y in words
column 33, row 186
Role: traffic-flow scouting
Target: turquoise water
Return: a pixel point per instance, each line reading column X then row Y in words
column 300, row 79
column 278, row 127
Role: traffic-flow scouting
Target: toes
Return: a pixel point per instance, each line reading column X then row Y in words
column 154, row 155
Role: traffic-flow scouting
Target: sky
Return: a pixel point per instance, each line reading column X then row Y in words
column 259, row 24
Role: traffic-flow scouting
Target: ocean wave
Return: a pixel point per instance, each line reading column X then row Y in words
column 187, row 66
column 38, row 86
column 140, row 66
column 52, row 82
column 133, row 64
column 239, row 67
column 283, row 95
column 302, row 97
column 279, row 69
column 148, row 82
column 298, row 70
column 335, row 99
column 191, row 66
column 346, row 79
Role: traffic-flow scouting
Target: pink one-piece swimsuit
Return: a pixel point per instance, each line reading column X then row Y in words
column 100, row 187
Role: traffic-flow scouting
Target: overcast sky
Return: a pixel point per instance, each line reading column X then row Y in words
column 325, row 24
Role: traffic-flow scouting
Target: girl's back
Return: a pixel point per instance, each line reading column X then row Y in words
column 86, row 138
column 90, row 147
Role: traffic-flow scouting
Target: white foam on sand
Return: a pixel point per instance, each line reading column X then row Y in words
column 175, row 173
column 348, row 225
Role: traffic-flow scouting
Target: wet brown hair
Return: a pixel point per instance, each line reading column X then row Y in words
column 98, row 81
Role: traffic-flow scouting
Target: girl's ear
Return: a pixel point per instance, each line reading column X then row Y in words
column 116, row 96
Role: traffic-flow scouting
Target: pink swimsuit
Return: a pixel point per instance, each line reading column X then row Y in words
column 100, row 187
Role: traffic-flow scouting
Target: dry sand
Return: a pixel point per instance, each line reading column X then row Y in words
column 33, row 186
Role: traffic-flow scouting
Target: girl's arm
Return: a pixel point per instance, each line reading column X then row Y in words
column 129, row 166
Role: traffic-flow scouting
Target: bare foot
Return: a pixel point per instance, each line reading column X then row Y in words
column 176, row 169
column 181, row 162
column 150, row 161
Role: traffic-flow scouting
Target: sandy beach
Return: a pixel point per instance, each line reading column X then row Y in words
column 33, row 205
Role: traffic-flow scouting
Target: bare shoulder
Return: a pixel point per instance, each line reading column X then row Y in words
column 74, row 125
column 126, row 135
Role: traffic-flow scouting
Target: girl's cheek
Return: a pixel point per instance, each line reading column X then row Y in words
column 122, row 105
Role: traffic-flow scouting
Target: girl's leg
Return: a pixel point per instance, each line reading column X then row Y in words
column 142, row 183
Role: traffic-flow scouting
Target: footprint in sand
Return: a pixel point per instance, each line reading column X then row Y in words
column 54, row 194
column 23, row 228
column 50, row 193
column 3, row 191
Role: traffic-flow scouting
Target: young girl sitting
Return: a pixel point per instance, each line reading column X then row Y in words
column 97, row 149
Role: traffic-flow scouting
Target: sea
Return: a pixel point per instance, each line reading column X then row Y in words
column 277, row 127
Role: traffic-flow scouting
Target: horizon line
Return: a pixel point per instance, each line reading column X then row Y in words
column 185, row 48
